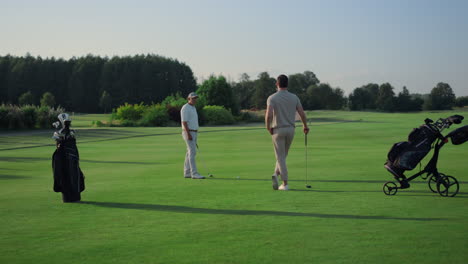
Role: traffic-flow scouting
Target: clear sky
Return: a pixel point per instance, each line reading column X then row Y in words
column 413, row 43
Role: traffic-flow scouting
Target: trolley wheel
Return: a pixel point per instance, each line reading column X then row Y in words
column 432, row 182
column 448, row 186
column 390, row 188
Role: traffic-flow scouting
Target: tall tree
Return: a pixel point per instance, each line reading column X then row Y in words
column 217, row 91
column 105, row 102
column 264, row 86
column 244, row 91
column 48, row 99
column 26, row 99
column 442, row 97
column 386, row 98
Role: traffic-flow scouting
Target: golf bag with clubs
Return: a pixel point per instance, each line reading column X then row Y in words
column 407, row 155
column 68, row 177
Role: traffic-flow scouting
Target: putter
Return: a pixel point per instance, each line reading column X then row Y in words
column 203, row 164
column 305, row 138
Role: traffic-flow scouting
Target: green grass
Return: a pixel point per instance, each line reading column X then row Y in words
column 138, row 208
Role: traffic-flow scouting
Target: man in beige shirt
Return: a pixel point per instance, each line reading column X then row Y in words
column 280, row 121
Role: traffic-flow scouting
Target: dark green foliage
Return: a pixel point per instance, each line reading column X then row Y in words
column 441, row 97
column 79, row 83
column 404, row 102
column 154, row 115
column 26, row 99
column 250, row 116
column 173, row 105
column 386, row 98
column 299, row 82
column 461, row 101
column 47, row 115
column 364, row 97
column 48, row 99
column 105, row 102
column 217, row 91
column 323, row 96
column 28, row 116
column 217, row 115
column 243, row 92
column 130, row 112
column 264, row 86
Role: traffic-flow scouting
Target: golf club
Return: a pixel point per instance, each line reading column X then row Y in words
column 203, row 164
column 305, row 137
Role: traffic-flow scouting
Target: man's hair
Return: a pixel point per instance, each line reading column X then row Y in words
column 282, row 81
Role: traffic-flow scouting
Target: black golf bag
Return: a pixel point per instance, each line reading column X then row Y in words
column 406, row 155
column 68, row 177
column 459, row 135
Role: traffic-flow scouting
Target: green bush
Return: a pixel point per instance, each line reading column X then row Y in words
column 48, row 115
column 173, row 104
column 15, row 118
column 130, row 112
column 29, row 115
column 155, row 115
column 217, row 115
column 176, row 101
column 249, row 117
column 4, row 116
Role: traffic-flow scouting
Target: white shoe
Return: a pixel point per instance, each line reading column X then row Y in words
column 283, row 187
column 198, row 176
column 274, row 179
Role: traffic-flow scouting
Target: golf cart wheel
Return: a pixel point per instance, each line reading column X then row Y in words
column 448, row 186
column 432, row 182
column 390, row 188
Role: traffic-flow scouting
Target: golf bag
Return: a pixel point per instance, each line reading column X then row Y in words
column 407, row 154
column 459, row 135
column 68, row 177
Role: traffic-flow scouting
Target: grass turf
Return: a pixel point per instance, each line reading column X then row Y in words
column 138, row 208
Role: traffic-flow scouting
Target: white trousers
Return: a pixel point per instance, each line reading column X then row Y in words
column 190, row 167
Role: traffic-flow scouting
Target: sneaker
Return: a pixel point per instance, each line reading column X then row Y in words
column 198, row 176
column 187, row 176
column 283, row 187
column 274, row 179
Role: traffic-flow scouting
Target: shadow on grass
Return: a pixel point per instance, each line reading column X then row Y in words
column 32, row 159
column 334, row 181
column 194, row 210
column 12, row 177
column 399, row 193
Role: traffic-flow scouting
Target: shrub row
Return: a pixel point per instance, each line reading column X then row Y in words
column 28, row 116
column 141, row 115
column 168, row 112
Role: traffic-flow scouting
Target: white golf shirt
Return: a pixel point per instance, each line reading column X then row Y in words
column 188, row 114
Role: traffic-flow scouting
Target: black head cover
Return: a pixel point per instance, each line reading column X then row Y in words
column 459, row 135
column 455, row 119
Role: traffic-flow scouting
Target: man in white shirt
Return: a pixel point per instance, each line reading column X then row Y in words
column 189, row 120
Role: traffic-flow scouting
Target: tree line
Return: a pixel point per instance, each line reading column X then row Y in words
column 93, row 84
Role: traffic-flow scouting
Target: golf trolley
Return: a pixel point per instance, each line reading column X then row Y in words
column 406, row 155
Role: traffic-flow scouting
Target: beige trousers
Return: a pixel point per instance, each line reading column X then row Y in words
column 282, row 139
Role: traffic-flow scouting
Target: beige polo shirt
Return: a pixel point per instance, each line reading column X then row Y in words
column 284, row 106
